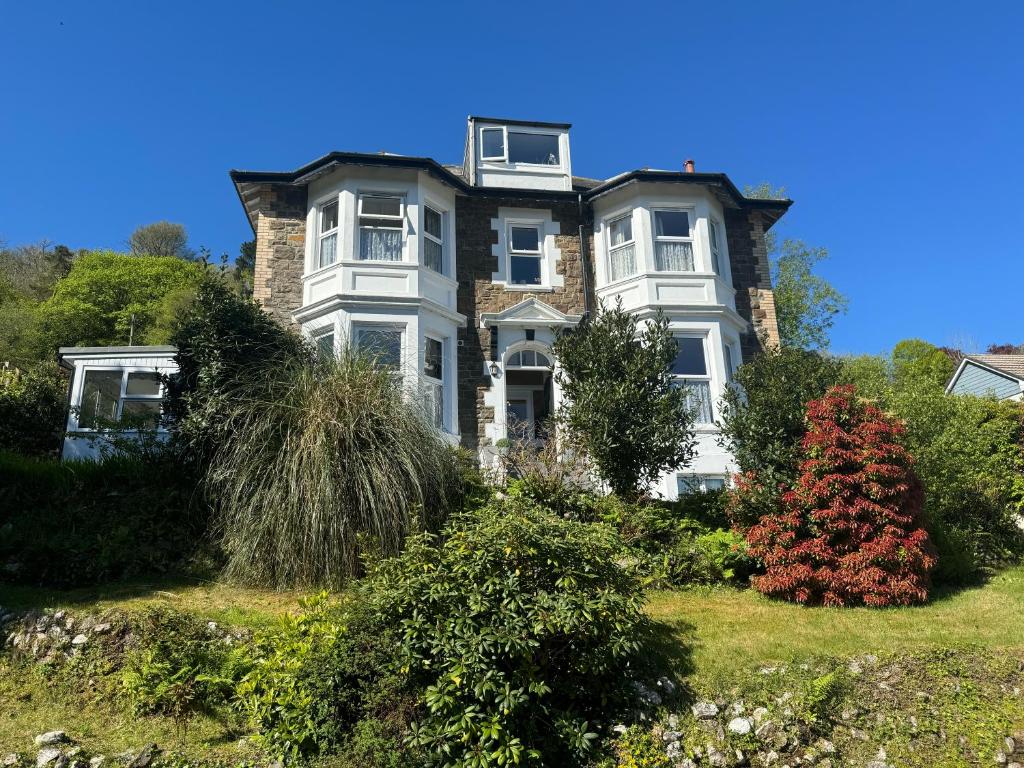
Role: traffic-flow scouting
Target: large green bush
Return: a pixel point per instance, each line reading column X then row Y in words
column 519, row 628
column 75, row 523
column 33, row 409
column 319, row 461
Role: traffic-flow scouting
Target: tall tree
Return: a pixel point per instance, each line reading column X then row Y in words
column 806, row 304
column 621, row 403
column 162, row 238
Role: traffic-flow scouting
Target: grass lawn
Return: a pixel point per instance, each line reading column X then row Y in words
column 730, row 631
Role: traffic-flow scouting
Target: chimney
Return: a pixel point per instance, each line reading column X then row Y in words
column 688, row 166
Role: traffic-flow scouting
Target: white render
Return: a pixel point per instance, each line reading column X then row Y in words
column 84, row 443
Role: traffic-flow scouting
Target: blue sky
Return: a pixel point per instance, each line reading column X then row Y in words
column 896, row 127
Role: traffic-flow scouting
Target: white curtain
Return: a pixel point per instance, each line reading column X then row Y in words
column 328, row 249
column 380, row 244
column 674, row 257
column 623, row 262
column 698, row 399
column 432, row 400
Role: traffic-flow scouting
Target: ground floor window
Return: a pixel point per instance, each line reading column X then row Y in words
column 117, row 395
column 432, row 382
column 687, row 484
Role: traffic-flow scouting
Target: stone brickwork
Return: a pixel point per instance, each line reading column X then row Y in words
column 280, row 249
column 475, row 265
column 751, row 277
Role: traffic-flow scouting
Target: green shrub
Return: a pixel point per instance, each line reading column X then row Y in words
column 76, row 523
column 325, row 680
column 713, row 557
column 638, row 748
column 33, row 409
column 320, row 460
column 518, row 628
column 179, row 666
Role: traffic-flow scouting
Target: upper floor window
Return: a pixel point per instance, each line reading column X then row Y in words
column 119, row 395
column 433, row 239
column 501, row 145
column 673, row 241
column 691, row 368
column 621, row 248
column 327, row 242
column 381, row 227
column 713, row 236
column 525, row 254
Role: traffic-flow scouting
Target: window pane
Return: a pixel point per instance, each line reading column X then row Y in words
column 493, row 142
column 373, row 205
column 623, row 262
column 100, row 392
column 382, row 345
column 325, row 344
column 713, row 231
column 542, row 360
column 432, row 355
column 380, row 244
column 672, row 223
column 525, row 270
column 728, row 363
column 432, row 255
column 714, row 484
column 143, row 383
column 529, row 357
column 328, row 249
column 673, row 256
column 432, row 398
column 536, row 148
column 525, row 239
column 690, row 358
column 140, row 413
column 518, row 413
column 328, row 217
column 698, row 400
column 621, row 230
column 515, row 360
column 432, row 222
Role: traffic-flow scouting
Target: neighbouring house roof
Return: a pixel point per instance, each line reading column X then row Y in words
column 149, row 350
column 1011, row 365
column 719, row 183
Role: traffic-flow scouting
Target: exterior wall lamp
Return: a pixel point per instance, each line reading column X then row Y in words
column 494, row 368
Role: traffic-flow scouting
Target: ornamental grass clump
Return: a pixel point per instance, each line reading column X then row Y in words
column 849, row 531
column 322, row 459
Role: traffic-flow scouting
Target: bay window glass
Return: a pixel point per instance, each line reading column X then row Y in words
column 713, row 236
column 433, row 239
column 432, row 385
column 327, row 242
column 691, row 370
column 524, row 255
column 381, row 227
column 382, row 345
column 621, row 248
column 673, row 241
column 324, row 341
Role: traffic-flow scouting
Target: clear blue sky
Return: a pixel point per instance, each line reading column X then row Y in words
column 897, row 127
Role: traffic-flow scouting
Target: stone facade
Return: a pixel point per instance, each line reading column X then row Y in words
column 475, row 265
column 280, row 249
column 751, row 277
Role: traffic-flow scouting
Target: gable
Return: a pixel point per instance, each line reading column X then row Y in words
column 977, row 380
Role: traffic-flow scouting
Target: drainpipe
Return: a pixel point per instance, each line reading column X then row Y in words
column 583, row 259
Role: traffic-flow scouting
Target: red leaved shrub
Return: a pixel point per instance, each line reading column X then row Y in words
column 849, row 532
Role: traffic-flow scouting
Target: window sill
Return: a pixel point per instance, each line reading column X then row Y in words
column 527, row 288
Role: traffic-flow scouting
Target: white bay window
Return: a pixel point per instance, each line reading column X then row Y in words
column 621, row 248
column 433, row 239
column 381, row 227
column 433, row 381
column 691, row 370
column 673, row 241
column 327, row 234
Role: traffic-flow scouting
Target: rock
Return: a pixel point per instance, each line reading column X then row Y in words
column 52, row 737
column 737, row 708
column 771, row 758
column 1000, row 757
column 48, row 756
column 673, row 722
column 855, row 667
column 740, row 726
column 145, row 756
column 80, row 640
column 667, row 685
column 826, row 746
column 670, row 737
column 12, row 759
column 647, row 697
column 878, row 764
column 100, row 629
column 687, row 763
column 1009, row 745
column 825, row 763
column 97, row 762
column 674, row 751
column 779, row 741
column 1014, row 765
column 619, row 729
column 704, row 710
column 760, row 714
column 766, row 730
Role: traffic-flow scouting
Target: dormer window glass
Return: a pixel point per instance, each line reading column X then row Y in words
column 525, row 255
column 621, row 248
column 327, row 242
column 713, row 237
column 433, row 239
column 492, row 141
column 673, row 241
column 381, row 227
column 533, row 148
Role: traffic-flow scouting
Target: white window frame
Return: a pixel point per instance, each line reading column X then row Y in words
column 691, row 214
column 729, row 360
column 442, row 383
column 505, row 158
column 631, row 242
column 684, row 378
column 122, row 396
column 443, row 213
column 715, row 244
column 539, row 254
column 321, row 235
column 696, row 482
column 399, row 219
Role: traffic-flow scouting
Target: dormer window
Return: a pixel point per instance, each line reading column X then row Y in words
column 673, row 241
column 327, row 242
column 525, row 254
column 381, row 227
column 502, row 145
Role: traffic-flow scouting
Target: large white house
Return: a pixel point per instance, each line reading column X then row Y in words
column 460, row 276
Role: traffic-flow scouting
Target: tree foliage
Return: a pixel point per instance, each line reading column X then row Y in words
column 620, row 400
column 914, row 360
column 32, row 409
column 806, row 304
column 849, row 531
column 162, row 238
